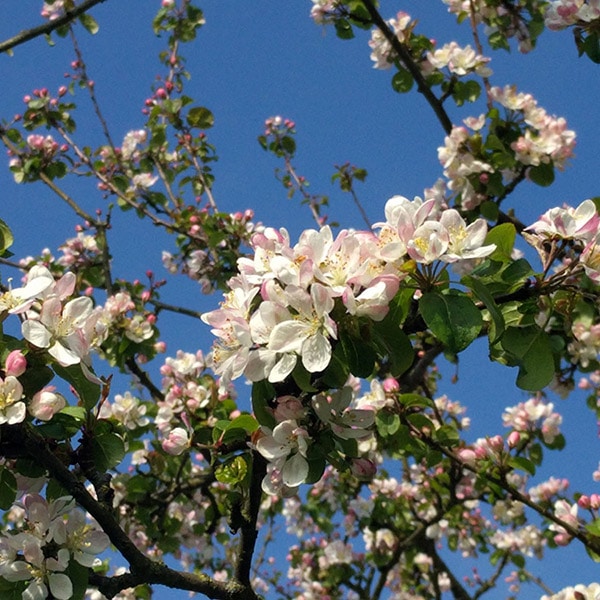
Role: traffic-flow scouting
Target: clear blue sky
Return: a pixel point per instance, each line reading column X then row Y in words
column 256, row 59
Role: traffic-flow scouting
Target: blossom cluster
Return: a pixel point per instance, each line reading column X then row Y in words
column 286, row 446
column 51, row 536
column 542, row 139
column 459, row 61
column 565, row 13
column 534, row 415
column 580, row 225
column 69, row 328
column 280, row 307
column 502, row 22
column 186, row 393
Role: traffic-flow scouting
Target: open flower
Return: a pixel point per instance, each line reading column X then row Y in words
column 60, row 329
column 286, row 448
column 12, row 408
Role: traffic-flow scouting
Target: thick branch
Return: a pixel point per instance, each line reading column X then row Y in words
column 249, row 532
column 143, row 569
column 49, row 27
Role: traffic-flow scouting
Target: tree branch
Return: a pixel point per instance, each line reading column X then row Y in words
column 249, row 533
column 49, row 27
column 409, row 63
column 143, row 569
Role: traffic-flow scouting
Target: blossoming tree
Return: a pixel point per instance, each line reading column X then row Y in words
column 122, row 470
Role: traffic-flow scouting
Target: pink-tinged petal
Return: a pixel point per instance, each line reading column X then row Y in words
column 288, row 336
column 35, row 333
column 65, row 286
column 295, row 471
column 260, row 363
column 316, row 353
column 16, row 363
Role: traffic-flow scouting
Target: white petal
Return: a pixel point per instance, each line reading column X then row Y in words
column 295, row 471
column 283, row 368
column 35, row 333
column 60, row 586
column 288, row 336
column 316, row 353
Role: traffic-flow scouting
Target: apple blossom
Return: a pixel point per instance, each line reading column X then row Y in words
column 46, row 403
column 286, row 448
column 12, row 407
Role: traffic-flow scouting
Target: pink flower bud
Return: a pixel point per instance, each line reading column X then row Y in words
column 391, row 385
column 496, row 443
column 45, row 404
column 467, row 456
column 584, row 502
column 16, row 363
column 595, row 501
column 513, row 440
column 176, row 442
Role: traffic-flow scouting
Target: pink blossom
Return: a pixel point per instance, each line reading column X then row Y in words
column 46, row 403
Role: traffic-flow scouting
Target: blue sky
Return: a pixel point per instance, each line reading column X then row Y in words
column 254, row 60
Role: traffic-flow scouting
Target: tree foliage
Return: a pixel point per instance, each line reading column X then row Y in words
column 182, row 480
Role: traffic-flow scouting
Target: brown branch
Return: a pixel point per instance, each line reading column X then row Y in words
column 143, row 378
column 142, row 568
column 30, row 34
column 248, row 531
column 404, row 55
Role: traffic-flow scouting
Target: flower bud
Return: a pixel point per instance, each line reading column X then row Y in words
column 46, row 403
column 176, row 442
column 16, row 363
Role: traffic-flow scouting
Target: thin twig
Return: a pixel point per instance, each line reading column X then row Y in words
column 47, row 28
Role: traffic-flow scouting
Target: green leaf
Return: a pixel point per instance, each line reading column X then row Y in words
column 232, row 471
column 8, row 489
column 387, row 423
column 522, row 463
column 108, row 450
column 336, row 373
column 262, row 394
column 394, row 344
column 591, row 47
column 446, row 435
column 360, row 355
column 88, row 392
column 402, row 81
column 593, row 527
column 415, row 400
column 200, row 117
column 246, row 422
column 504, row 237
column 6, row 237
column 497, row 325
column 89, row 23
column 532, row 351
column 79, row 576
column 542, row 174
column 343, row 29
column 452, row 318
